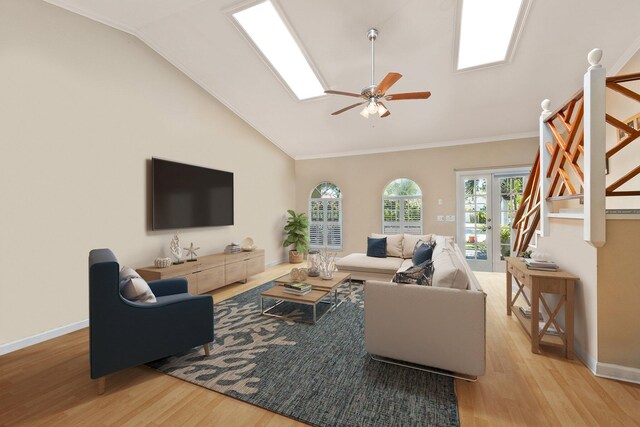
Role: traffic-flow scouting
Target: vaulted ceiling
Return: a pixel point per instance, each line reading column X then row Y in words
column 417, row 39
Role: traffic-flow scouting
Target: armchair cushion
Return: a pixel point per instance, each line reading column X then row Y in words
column 160, row 288
column 135, row 288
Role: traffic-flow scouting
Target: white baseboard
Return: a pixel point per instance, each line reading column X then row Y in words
column 607, row 370
column 274, row 263
column 618, row 372
column 41, row 337
column 584, row 357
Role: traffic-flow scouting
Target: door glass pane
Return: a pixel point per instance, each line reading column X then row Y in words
column 511, row 189
column 475, row 227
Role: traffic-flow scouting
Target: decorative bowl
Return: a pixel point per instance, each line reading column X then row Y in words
column 162, row 262
column 248, row 245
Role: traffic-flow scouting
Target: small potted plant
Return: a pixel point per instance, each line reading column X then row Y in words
column 297, row 235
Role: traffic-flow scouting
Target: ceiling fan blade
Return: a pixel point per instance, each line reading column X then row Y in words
column 386, row 113
column 388, row 81
column 338, row 92
column 411, row 95
column 347, row 108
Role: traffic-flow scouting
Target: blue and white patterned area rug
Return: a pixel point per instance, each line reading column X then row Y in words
column 318, row 374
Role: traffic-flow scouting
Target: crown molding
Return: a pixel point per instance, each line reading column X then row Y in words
column 424, row 146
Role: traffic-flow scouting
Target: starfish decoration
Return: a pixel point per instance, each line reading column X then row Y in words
column 191, row 251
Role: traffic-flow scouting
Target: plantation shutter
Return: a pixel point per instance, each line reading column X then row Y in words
column 412, row 215
column 402, row 214
column 325, row 223
column 391, row 216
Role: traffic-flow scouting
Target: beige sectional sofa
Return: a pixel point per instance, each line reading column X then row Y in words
column 441, row 326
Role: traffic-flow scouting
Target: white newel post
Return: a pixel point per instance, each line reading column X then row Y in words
column 595, row 151
column 545, row 159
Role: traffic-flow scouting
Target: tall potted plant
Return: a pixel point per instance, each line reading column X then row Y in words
column 297, row 235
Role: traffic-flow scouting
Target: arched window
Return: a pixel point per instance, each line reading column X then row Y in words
column 325, row 217
column 402, row 207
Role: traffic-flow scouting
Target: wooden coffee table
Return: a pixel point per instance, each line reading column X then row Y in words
column 331, row 286
column 277, row 293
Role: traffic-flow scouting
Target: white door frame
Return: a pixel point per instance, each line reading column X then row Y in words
column 489, row 265
column 498, row 265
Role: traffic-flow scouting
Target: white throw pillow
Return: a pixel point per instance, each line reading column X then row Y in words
column 394, row 243
column 442, row 242
column 448, row 271
column 409, row 243
column 135, row 288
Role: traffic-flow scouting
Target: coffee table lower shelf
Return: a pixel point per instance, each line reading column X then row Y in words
column 277, row 293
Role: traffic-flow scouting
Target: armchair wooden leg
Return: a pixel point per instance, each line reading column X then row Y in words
column 101, row 384
column 207, row 351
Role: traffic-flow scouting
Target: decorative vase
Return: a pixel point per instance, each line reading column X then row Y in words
column 326, row 275
column 313, row 262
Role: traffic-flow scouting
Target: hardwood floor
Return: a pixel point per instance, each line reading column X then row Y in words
column 48, row 384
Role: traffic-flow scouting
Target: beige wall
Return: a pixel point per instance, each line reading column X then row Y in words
column 622, row 108
column 567, row 247
column 363, row 178
column 619, row 295
column 83, row 109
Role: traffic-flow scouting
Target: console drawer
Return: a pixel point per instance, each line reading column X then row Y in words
column 235, row 272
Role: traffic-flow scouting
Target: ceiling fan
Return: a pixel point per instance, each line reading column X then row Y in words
column 374, row 94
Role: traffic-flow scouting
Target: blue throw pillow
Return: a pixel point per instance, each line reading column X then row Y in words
column 377, row 247
column 422, row 253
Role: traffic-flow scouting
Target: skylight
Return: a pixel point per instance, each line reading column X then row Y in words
column 486, row 30
column 264, row 25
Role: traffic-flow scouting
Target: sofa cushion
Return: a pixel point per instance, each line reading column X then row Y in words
column 377, row 247
column 394, row 243
column 449, row 271
column 409, row 243
column 407, row 263
column 135, row 288
column 423, row 252
column 442, row 242
column 361, row 262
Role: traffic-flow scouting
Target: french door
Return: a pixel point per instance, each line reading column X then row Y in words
column 487, row 202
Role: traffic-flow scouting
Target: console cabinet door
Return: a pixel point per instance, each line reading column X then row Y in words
column 210, row 279
column 255, row 265
column 235, row 272
column 192, row 280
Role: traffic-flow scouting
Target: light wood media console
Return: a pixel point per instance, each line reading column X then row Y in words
column 210, row 272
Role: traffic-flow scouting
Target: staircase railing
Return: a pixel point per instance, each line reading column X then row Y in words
column 613, row 83
column 572, row 149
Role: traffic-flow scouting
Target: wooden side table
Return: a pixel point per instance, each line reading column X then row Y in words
column 542, row 282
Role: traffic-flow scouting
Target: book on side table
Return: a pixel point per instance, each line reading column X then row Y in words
column 297, row 288
column 541, row 265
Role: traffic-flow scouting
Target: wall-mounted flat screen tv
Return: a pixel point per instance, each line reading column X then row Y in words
column 185, row 196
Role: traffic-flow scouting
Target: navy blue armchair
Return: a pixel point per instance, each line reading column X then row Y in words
column 125, row 333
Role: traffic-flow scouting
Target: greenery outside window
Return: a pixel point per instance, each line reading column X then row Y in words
column 402, row 207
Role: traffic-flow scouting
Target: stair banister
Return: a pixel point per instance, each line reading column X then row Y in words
column 545, row 159
column 595, row 81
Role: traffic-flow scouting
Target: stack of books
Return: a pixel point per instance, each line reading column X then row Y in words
column 297, row 288
column 526, row 312
column 541, row 265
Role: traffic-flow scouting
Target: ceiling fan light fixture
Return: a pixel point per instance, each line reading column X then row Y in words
column 381, row 109
column 365, row 112
column 372, row 107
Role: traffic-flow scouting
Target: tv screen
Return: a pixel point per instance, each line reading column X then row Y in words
column 187, row 196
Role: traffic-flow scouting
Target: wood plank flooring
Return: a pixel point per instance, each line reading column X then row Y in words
column 48, row 384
